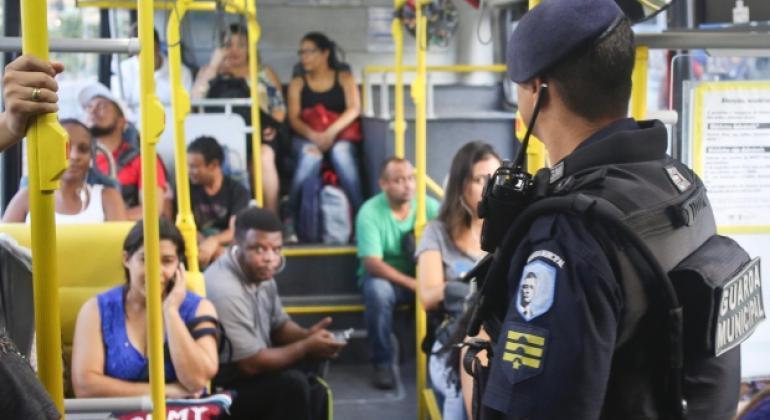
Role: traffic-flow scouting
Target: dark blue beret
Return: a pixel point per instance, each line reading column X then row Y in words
column 552, row 30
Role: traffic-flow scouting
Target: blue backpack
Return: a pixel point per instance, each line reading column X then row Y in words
column 308, row 223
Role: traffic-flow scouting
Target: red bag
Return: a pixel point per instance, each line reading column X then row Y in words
column 318, row 118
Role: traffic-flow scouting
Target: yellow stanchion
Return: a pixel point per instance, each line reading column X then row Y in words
column 639, row 86
column 47, row 160
column 399, row 124
column 256, row 135
column 420, row 153
column 152, row 124
column 180, row 106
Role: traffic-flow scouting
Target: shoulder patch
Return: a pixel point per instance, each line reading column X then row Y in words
column 548, row 255
column 523, row 350
column 536, row 289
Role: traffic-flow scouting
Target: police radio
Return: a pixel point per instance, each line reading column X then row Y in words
column 508, row 191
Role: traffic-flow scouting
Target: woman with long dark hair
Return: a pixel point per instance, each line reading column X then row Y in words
column 227, row 76
column 109, row 351
column 449, row 248
column 324, row 83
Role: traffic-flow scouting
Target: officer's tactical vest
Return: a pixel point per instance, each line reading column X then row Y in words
column 661, row 205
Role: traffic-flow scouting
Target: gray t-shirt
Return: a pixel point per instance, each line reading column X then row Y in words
column 456, row 263
column 248, row 312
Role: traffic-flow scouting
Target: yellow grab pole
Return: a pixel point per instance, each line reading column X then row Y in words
column 421, row 133
column 180, row 106
column 399, row 126
column 639, row 80
column 47, row 157
column 256, row 135
column 152, row 124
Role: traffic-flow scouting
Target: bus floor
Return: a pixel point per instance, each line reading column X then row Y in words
column 355, row 397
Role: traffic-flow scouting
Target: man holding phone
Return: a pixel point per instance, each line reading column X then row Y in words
column 265, row 342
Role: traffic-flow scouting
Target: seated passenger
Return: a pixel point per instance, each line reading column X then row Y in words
column 106, row 117
column 76, row 200
column 384, row 228
column 450, row 247
column 266, row 343
column 215, row 198
column 324, row 88
column 109, row 349
column 227, row 76
column 126, row 86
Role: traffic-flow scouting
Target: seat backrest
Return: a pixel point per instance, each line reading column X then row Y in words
column 90, row 260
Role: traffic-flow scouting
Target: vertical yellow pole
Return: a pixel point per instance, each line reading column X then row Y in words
column 47, row 157
column 421, row 133
column 180, row 106
column 399, row 126
column 639, row 80
column 536, row 153
column 250, row 8
column 152, row 124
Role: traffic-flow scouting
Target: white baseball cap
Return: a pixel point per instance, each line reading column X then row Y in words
column 90, row 91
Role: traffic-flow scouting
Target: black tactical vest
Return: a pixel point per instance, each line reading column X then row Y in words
column 663, row 203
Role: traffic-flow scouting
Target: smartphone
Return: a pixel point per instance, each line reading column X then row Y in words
column 343, row 335
column 172, row 281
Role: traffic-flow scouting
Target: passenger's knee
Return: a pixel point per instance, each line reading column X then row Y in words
column 311, row 150
column 379, row 294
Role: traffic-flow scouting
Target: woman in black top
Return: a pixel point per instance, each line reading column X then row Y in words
column 324, row 83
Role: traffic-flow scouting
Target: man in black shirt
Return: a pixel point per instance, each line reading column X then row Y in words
column 215, row 198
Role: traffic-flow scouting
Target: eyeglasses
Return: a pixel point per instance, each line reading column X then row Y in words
column 305, row 51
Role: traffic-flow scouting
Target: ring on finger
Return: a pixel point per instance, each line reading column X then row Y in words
column 36, row 94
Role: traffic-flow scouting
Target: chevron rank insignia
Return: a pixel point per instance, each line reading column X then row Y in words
column 523, row 351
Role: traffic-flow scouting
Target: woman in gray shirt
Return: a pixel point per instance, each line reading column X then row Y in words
column 449, row 248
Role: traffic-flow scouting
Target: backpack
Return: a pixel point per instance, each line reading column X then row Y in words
column 324, row 211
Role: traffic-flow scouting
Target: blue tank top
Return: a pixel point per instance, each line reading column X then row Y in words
column 121, row 359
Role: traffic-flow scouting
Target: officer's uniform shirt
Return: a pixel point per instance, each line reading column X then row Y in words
column 567, row 334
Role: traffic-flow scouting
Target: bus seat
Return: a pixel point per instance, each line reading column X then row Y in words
column 90, row 261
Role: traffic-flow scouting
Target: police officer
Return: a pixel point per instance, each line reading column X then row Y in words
column 588, row 338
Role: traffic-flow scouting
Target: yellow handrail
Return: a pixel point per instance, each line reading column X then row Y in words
column 256, row 135
column 197, row 6
column 433, row 186
column 421, row 137
column 46, row 152
column 399, row 126
column 639, row 83
column 449, row 68
column 180, row 107
column 152, row 124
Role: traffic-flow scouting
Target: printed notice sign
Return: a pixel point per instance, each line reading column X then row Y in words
column 731, row 152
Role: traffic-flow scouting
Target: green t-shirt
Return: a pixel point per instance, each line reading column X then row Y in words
column 379, row 234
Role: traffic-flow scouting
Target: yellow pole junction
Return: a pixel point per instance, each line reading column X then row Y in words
column 639, row 80
column 250, row 6
column 420, row 152
column 399, row 124
column 180, row 106
column 47, row 159
column 152, row 124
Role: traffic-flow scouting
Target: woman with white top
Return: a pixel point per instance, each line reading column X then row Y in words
column 76, row 200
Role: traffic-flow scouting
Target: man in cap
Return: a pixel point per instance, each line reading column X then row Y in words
column 106, row 117
column 595, row 345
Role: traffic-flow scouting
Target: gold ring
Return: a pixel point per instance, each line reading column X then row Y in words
column 36, row 94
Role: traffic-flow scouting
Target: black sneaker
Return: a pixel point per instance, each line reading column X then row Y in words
column 383, row 377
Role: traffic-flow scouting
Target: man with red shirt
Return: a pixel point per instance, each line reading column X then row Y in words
column 106, row 117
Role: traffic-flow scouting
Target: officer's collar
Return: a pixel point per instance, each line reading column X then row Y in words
column 615, row 143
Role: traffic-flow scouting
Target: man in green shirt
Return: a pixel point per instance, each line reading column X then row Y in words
column 383, row 225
